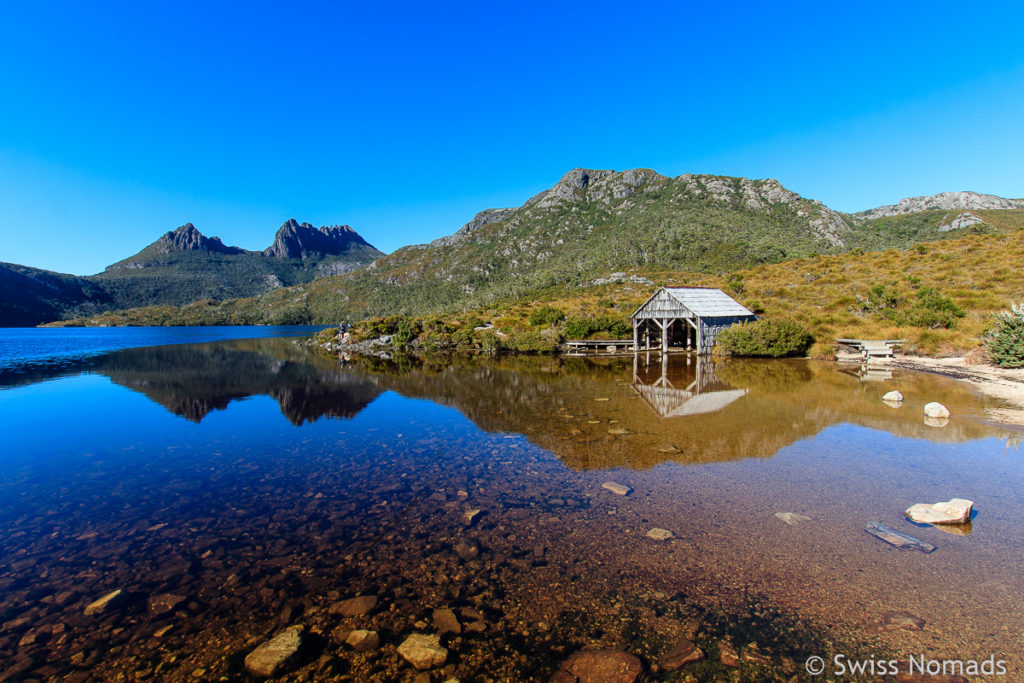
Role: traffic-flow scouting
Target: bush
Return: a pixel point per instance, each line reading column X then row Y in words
column 766, row 338
column 581, row 328
column 326, row 335
column 933, row 310
column 1005, row 339
column 546, row 315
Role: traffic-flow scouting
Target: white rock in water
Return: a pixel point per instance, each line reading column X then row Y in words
column 792, row 518
column 893, row 397
column 955, row 511
column 935, row 410
column 660, row 534
column 617, row 488
column 102, row 604
column 422, row 651
column 269, row 657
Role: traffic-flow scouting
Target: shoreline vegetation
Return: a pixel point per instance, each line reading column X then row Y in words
column 940, row 296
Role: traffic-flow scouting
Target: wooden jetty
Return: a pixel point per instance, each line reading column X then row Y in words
column 873, row 349
column 589, row 347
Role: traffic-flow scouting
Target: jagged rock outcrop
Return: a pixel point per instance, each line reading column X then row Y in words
column 959, row 221
column 296, row 240
column 188, row 238
column 946, row 201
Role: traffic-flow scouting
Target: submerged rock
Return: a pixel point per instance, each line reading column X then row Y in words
column 934, row 409
column 362, row 640
column 727, row 654
column 599, row 666
column 267, row 659
column 900, row 621
column 897, row 538
column 679, row 655
column 617, row 488
column 660, row 534
column 955, row 511
column 109, row 600
column 445, row 621
column 165, row 602
column 423, row 651
column 791, row 518
column 354, row 607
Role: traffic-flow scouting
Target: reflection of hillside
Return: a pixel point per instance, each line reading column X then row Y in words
column 745, row 408
column 196, row 379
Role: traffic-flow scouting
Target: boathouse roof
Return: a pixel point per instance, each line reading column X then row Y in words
column 704, row 302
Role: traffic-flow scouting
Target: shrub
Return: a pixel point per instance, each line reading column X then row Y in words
column 766, row 338
column 581, row 328
column 1005, row 339
column 326, row 335
column 406, row 331
column 546, row 315
column 933, row 310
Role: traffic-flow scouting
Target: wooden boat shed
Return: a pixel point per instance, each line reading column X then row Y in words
column 686, row 317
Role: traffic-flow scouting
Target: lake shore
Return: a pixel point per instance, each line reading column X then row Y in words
column 1003, row 383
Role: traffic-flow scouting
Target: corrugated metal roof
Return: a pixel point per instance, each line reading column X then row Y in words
column 707, row 302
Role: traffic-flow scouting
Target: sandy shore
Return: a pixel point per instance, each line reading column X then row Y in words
column 990, row 380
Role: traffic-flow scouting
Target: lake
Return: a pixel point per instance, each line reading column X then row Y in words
column 232, row 488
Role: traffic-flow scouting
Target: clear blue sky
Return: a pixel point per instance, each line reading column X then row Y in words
column 120, row 121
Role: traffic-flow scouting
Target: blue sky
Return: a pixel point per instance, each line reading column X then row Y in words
column 121, row 121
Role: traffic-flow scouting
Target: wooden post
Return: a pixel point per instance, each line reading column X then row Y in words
column 636, row 336
column 700, row 338
column 664, row 338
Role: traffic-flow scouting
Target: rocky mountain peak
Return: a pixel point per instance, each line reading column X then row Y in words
column 296, row 240
column 945, row 201
column 188, row 238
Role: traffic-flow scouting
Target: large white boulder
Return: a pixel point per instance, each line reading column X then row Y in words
column 934, row 409
column 893, row 397
column 955, row 511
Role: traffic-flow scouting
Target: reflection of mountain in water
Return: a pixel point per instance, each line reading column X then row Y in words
column 193, row 380
column 684, row 410
column 591, row 413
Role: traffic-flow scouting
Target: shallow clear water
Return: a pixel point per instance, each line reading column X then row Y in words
column 263, row 484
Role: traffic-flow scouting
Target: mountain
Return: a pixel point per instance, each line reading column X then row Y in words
column 588, row 225
column 181, row 267
column 945, row 201
column 29, row 296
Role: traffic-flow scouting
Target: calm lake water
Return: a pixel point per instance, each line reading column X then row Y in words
column 231, row 489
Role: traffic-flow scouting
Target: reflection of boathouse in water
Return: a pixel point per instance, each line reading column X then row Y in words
column 685, row 317
column 678, row 390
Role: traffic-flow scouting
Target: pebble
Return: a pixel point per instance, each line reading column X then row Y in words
column 617, row 488
column 267, row 659
column 423, row 651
